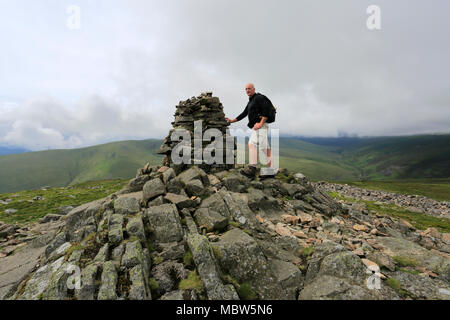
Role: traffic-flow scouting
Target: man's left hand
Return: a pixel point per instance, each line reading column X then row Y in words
column 257, row 126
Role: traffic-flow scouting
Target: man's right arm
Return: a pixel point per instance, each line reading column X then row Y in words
column 241, row 116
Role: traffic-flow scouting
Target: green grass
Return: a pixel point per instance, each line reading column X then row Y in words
column 438, row 189
column 193, row 281
column 404, row 261
column 29, row 212
column 246, row 292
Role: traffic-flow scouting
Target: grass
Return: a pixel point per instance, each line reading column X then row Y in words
column 246, row 292
column 404, row 261
column 395, row 284
column 193, row 281
column 31, row 211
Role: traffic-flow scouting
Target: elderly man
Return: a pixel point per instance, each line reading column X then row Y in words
column 257, row 110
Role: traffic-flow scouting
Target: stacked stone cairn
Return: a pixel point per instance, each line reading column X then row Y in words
column 208, row 110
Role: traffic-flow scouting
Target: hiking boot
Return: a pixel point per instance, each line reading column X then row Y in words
column 249, row 171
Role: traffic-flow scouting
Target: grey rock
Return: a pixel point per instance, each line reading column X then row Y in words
column 165, row 223
column 38, row 283
column 133, row 254
column 126, row 205
column 103, row 254
column 180, row 201
column 288, row 276
column 168, row 175
column 135, row 228
column 50, row 217
column 167, row 274
column 243, row 258
column 153, row 188
column 107, row 289
column 216, row 202
column 87, row 289
column 210, row 219
column 208, row 269
column 194, row 187
column 138, row 289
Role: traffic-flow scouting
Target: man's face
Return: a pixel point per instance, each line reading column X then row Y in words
column 250, row 90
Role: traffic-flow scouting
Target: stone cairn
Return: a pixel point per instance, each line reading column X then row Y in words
column 209, row 110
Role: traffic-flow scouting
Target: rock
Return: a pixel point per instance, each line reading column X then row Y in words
column 153, row 188
column 180, row 201
column 446, row 238
column 87, row 289
column 210, row 219
column 165, row 223
column 372, row 266
column 331, row 227
column 135, row 228
column 288, row 276
column 133, row 254
column 167, row 274
column 192, row 174
column 36, row 286
column 103, row 254
column 115, row 232
column 126, row 205
column 208, row 269
column 304, row 217
column 194, row 188
column 239, row 211
column 6, row 231
column 382, row 260
column 107, row 289
column 242, row 257
column 406, row 224
column 216, row 203
column 138, row 290
column 282, row 230
column 290, row 219
column 360, row 227
column 10, row 211
column 168, row 175
column 402, row 248
column 50, row 217
column 422, row 287
column 433, row 232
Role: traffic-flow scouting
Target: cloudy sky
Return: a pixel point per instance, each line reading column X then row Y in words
column 120, row 75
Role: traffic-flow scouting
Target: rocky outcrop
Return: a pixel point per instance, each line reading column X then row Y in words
column 188, row 233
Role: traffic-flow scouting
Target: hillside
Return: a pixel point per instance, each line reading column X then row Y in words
column 333, row 159
column 57, row 168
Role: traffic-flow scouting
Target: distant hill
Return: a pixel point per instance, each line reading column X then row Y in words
column 11, row 150
column 333, row 159
column 117, row 160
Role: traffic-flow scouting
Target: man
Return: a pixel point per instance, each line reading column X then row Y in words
column 257, row 110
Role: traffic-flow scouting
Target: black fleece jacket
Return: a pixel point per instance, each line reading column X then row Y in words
column 257, row 107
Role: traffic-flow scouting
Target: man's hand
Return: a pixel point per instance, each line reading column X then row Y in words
column 230, row 120
column 257, row 126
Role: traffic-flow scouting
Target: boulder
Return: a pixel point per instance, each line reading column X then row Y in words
column 165, row 223
column 153, row 188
